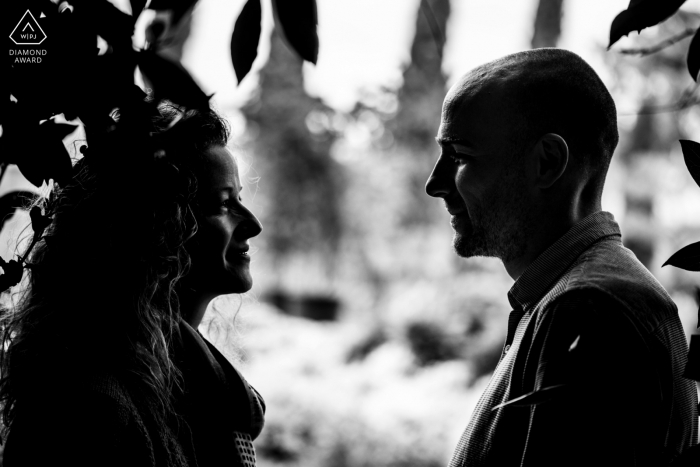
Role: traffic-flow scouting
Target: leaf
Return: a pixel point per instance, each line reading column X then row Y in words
column 692, row 367
column 18, row 128
column 171, row 81
column 534, row 397
column 687, row 258
column 178, row 7
column 245, row 38
column 160, row 5
column 112, row 24
column 298, row 21
column 10, row 202
column 155, row 30
column 693, row 59
column 12, row 275
column 137, row 7
column 48, row 158
column 51, row 241
column 31, row 90
column 697, row 303
column 574, row 344
column 641, row 14
column 59, row 130
column 5, row 101
column 39, row 221
column 76, row 36
column 691, row 155
column 105, row 85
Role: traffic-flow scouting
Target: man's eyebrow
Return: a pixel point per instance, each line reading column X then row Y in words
column 447, row 141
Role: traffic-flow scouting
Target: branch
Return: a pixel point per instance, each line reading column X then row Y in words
column 3, row 167
column 644, row 51
column 438, row 36
column 688, row 99
column 35, row 238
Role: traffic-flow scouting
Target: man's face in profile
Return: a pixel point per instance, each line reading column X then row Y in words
column 480, row 175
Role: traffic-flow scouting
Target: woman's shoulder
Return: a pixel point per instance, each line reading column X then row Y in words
column 214, row 388
column 99, row 398
column 111, row 393
column 77, row 420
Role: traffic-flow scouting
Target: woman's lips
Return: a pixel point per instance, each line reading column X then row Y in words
column 239, row 254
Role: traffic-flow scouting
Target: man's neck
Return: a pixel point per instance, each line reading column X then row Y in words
column 546, row 230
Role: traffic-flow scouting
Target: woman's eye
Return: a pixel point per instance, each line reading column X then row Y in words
column 232, row 203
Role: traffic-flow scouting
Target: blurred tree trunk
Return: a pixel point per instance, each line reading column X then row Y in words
column 420, row 104
column 420, row 97
column 301, row 182
column 547, row 24
column 654, row 136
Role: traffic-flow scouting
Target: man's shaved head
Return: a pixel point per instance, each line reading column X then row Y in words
column 525, row 142
column 543, row 91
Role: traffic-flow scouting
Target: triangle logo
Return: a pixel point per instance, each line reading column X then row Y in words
column 28, row 31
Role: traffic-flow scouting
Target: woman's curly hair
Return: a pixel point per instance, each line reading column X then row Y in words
column 101, row 291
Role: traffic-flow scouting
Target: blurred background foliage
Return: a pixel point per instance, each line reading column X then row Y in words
column 370, row 340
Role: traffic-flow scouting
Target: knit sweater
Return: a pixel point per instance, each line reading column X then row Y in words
column 99, row 419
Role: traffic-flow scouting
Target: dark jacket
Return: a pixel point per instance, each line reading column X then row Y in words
column 99, row 419
column 591, row 373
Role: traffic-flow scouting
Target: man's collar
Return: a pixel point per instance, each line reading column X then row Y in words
column 535, row 282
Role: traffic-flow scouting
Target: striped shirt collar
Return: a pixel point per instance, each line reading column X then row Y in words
column 539, row 276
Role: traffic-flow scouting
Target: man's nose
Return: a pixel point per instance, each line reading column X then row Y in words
column 439, row 183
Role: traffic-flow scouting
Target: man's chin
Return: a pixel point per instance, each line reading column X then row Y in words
column 468, row 246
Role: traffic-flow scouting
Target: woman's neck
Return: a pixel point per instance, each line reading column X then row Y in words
column 193, row 305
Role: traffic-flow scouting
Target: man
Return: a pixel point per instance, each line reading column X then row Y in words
column 591, row 369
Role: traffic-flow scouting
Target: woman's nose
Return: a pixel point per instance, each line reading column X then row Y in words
column 249, row 227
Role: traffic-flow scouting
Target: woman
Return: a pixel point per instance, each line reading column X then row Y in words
column 102, row 363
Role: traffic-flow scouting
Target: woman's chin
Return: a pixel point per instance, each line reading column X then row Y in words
column 231, row 280
column 242, row 288
column 238, row 282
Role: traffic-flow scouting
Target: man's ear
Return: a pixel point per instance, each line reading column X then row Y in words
column 552, row 156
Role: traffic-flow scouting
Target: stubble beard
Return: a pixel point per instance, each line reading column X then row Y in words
column 498, row 231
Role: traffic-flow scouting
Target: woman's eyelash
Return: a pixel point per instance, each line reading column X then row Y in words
column 230, row 201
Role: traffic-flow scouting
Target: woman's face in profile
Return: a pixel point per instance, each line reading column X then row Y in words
column 219, row 249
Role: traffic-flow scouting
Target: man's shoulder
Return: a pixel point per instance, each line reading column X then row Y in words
column 610, row 275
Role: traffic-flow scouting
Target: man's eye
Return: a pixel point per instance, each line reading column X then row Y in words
column 458, row 158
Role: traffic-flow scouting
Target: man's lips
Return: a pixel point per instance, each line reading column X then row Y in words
column 454, row 206
column 454, row 211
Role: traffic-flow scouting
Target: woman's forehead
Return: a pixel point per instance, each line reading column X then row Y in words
column 219, row 169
